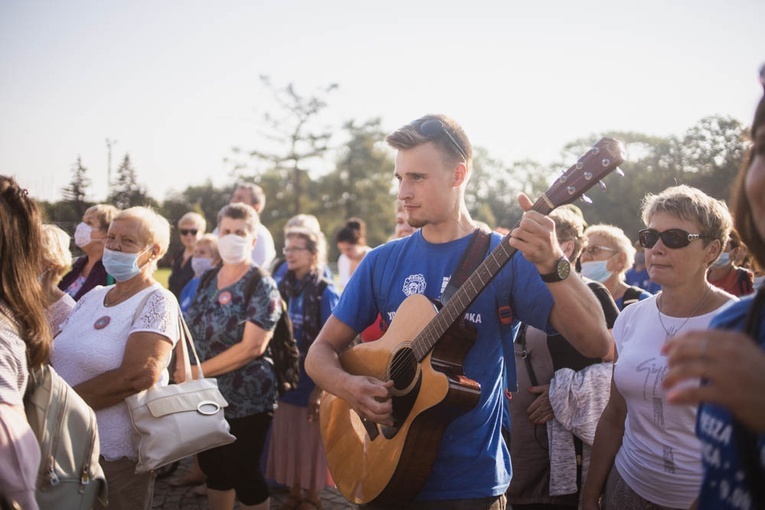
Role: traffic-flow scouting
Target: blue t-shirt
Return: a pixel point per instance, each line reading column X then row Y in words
column 472, row 460
column 187, row 294
column 642, row 280
column 725, row 482
column 299, row 396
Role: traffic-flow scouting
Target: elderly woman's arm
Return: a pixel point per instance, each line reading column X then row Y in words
column 145, row 358
column 253, row 345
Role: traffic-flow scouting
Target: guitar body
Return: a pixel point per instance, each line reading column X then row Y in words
column 370, row 462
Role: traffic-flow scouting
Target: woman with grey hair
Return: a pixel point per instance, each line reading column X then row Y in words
column 606, row 258
column 117, row 342
column 646, row 453
column 232, row 319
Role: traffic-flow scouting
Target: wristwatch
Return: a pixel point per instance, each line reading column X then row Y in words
column 562, row 270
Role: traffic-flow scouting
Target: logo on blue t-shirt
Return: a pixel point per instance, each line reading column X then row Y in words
column 414, row 284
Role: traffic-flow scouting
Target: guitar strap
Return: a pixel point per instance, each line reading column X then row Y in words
column 471, row 259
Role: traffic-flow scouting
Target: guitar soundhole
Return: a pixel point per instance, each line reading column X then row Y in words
column 403, row 370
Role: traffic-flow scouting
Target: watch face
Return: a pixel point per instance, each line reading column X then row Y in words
column 564, row 268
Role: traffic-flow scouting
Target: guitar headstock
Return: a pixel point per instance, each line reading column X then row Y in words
column 603, row 158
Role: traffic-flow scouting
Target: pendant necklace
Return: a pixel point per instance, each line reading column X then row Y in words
column 672, row 331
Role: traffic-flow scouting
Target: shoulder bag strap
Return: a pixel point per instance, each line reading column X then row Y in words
column 520, row 339
column 471, row 259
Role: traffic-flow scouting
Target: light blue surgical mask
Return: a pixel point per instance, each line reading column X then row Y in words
column 723, row 261
column 200, row 265
column 122, row 266
column 596, row 270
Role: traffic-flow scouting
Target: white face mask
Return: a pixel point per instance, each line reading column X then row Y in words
column 234, row 249
column 82, row 234
column 596, row 270
column 200, row 265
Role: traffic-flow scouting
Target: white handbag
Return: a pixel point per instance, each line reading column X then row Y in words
column 178, row 420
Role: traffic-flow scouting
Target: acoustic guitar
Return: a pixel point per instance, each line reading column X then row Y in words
column 422, row 352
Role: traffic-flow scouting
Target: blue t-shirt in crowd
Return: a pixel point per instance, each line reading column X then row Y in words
column 187, row 294
column 725, row 483
column 472, row 460
column 642, row 280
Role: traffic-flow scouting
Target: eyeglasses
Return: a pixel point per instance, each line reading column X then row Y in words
column 595, row 249
column 673, row 238
column 433, row 128
column 287, row 251
column 187, row 231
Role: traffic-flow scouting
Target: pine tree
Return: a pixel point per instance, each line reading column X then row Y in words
column 126, row 192
column 77, row 191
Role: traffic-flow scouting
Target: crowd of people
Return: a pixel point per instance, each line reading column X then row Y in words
column 634, row 382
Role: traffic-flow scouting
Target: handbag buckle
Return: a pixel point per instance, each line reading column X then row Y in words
column 202, row 404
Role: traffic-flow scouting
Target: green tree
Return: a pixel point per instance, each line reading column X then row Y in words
column 77, row 191
column 296, row 139
column 361, row 185
column 126, row 191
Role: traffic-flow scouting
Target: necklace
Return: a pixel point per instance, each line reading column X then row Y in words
column 672, row 331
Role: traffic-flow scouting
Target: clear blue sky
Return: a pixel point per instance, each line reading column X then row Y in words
column 175, row 83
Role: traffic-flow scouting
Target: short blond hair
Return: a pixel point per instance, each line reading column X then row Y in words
column 197, row 219
column 618, row 238
column 55, row 252
column 211, row 240
column 105, row 213
column 154, row 228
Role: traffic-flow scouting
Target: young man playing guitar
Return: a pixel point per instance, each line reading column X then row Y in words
column 471, row 467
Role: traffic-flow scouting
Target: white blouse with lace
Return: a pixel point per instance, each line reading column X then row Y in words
column 59, row 311
column 92, row 341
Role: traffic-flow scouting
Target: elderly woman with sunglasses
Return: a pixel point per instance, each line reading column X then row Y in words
column 191, row 227
column 646, row 454
column 730, row 358
column 606, row 258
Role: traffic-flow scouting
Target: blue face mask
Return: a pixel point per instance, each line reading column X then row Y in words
column 723, row 261
column 122, row 266
column 596, row 270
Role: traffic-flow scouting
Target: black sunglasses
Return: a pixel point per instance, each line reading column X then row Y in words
column 673, row 238
column 187, row 231
column 433, row 128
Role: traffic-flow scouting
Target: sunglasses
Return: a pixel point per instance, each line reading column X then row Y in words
column 673, row 238
column 433, row 128
column 187, row 231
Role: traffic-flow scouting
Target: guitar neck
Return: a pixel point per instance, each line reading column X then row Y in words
column 468, row 291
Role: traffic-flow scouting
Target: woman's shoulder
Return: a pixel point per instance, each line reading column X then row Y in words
column 732, row 313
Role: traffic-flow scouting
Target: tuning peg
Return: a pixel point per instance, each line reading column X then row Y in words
column 619, row 171
column 602, row 185
column 585, row 199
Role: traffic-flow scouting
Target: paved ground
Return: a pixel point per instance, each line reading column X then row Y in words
column 171, row 498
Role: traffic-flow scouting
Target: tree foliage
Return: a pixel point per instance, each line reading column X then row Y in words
column 293, row 140
column 76, row 192
column 126, row 191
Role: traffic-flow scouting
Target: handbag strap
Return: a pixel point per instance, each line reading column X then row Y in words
column 187, row 339
column 184, row 338
column 471, row 259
